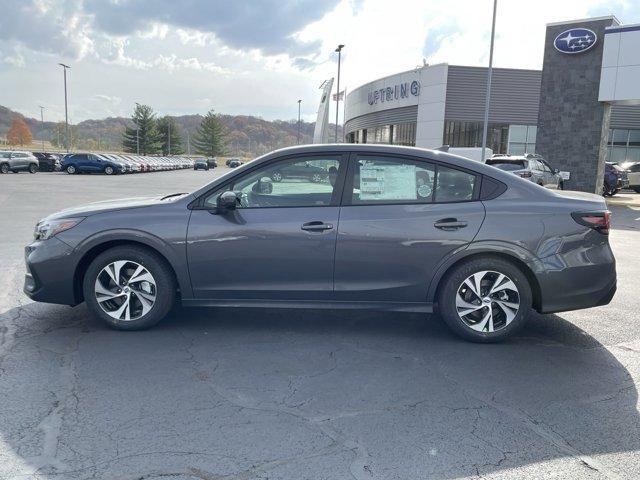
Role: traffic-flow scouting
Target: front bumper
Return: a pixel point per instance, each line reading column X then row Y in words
column 50, row 272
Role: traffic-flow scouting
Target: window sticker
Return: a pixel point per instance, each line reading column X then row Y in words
column 388, row 182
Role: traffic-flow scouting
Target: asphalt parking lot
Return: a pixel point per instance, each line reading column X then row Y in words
column 257, row 394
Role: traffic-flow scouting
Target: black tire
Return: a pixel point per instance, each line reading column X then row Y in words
column 454, row 279
column 33, row 168
column 71, row 169
column 109, row 170
column 156, row 265
column 4, row 168
column 561, row 186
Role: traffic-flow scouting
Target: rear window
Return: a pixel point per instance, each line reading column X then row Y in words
column 508, row 165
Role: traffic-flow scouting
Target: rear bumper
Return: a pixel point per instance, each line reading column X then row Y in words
column 578, row 285
column 49, row 272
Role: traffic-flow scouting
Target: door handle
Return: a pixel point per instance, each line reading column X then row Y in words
column 316, row 226
column 449, row 224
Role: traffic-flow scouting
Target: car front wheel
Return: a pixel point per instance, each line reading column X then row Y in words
column 485, row 300
column 109, row 170
column 129, row 288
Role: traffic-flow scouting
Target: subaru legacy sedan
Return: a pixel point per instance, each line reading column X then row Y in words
column 388, row 228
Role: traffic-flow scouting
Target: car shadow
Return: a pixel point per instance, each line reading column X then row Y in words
column 313, row 394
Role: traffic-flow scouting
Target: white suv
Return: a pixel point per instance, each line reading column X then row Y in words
column 12, row 161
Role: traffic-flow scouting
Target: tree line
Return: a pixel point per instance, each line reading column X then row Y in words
column 151, row 135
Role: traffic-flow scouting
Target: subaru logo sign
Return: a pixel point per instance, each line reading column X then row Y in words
column 576, row 40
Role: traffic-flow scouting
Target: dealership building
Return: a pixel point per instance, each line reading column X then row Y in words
column 581, row 109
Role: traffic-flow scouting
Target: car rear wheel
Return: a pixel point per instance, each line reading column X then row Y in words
column 276, row 176
column 109, row 170
column 71, row 169
column 33, row 168
column 129, row 288
column 485, row 300
column 4, row 168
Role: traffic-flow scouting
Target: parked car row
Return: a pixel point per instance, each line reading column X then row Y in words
column 111, row 163
column 202, row 163
column 16, row 161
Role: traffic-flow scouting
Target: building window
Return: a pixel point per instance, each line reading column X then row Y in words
column 469, row 134
column 522, row 139
column 623, row 146
column 400, row 134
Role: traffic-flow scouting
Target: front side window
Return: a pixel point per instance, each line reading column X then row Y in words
column 296, row 182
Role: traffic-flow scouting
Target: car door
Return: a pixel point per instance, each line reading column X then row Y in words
column 400, row 218
column 19, row 161
column 278, row 244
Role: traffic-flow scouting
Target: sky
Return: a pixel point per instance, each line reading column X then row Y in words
column 251, row 57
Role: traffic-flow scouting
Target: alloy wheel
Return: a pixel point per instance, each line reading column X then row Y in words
column 108, row 170
column 487, row 301
column 316, row 178
column 4, row 168
column 125, row 290
column 276, row 177
column 71, row 169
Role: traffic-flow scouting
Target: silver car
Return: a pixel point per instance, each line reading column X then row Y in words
column 12, row 161
column 529, row 166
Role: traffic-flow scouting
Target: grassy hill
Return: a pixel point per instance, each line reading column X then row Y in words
column 245, row 135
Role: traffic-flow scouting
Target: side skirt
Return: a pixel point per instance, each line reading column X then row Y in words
column 417, row 307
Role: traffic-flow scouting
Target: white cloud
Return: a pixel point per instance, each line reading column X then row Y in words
column 186, row 65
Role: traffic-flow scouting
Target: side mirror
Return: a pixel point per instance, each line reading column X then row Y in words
column 228, row 201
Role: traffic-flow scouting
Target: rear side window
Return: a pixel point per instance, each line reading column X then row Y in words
column 388, row 180
column 454, row 185
column 383, row 180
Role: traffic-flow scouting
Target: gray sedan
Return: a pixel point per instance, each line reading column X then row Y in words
column 391, row 228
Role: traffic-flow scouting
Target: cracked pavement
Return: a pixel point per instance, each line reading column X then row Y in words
column 256, row 394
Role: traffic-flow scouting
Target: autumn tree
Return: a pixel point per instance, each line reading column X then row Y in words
column 209, row 138
column 19, row 133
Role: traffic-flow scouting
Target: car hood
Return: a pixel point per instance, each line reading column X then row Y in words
column 111, row 205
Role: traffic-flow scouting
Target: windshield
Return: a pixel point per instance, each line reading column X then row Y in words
column 508, row 165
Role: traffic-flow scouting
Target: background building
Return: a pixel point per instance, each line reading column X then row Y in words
column 565, row 112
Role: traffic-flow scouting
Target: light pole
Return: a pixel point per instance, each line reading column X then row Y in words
column 42, row 125
column 66, row 113
column 299, row 102
column 169, row 136
column 339, row 50
column 488, row 94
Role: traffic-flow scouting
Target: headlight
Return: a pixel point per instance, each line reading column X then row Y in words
column 49, row 228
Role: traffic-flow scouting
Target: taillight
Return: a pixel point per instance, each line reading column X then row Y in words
column 525, row 174
column 599, row 221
